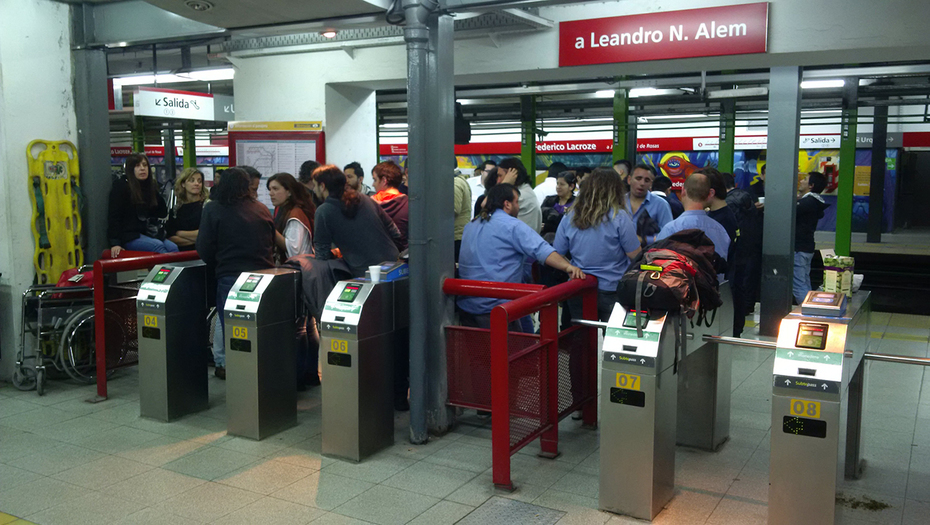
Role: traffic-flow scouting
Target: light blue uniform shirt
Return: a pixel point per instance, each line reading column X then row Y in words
column 495, row 250
column 658, row 209
column 700, row 220
column 599, row 250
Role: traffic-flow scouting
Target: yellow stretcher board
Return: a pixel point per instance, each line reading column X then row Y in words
column 54, row 189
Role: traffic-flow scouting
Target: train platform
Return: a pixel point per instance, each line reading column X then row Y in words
column 64, row 461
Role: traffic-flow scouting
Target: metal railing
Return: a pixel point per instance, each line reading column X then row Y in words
column 535, row 379
column 115, row 305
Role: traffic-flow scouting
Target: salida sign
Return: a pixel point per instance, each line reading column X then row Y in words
column 170, row 103
column 714, row 31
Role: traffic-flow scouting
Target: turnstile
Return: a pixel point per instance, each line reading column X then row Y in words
column 261, row 345
column 817, row 394
column 704, row 379
column 363, row 325
column 638, row 412
column 172, row 319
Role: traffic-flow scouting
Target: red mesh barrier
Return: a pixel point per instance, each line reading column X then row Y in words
column 576, row 383
column 468, row 361
column 529, row 395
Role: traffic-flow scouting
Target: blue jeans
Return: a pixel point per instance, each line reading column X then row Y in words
column 223, row 285
column 149, row 244
column 219, row 345
column 802, row 275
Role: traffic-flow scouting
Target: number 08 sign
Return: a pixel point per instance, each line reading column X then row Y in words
column 714, row 31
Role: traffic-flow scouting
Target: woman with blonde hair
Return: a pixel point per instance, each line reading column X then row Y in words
column 600, row 236
column 184, row 222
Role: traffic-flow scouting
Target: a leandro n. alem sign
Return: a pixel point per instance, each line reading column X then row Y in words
column 714, row 31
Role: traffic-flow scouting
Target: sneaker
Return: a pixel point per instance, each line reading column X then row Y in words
column 220, row 372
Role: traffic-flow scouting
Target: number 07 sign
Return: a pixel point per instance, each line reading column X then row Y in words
column 713, row 31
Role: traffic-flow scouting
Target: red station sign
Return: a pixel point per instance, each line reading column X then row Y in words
column 713, row 31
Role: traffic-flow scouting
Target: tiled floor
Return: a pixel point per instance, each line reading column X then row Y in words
column 63, row 461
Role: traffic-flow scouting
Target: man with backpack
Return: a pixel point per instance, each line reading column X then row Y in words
column 748, row 237
column 695, row 196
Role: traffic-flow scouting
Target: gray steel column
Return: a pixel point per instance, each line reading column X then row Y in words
column 91, row 108
column 781, row 188
column 877, row 178
column 430, row 106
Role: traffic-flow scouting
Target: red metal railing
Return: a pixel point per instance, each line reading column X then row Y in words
column 116, row 306
column 535, row 379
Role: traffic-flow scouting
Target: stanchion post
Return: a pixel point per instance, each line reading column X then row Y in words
column 549, row 335
column 500, row 400
column 589, row 311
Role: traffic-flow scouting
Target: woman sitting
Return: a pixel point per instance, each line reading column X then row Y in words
column 184, row 222
column 136, row 209
column 293, row 216
column 555, row 206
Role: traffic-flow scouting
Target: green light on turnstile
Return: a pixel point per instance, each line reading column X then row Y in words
column 625, row 396
column 802, row 426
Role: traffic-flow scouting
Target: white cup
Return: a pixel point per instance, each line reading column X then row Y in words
column 375, row 272
column 762, row 200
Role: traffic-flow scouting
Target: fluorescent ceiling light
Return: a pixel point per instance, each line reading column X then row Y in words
column 204, row 75
column 604, row 93
column 644, row 92
column 694, row 116
column 822, row 84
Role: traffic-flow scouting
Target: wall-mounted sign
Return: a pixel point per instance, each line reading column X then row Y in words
column 245, row 125
column 171, row 103
column 713, row 31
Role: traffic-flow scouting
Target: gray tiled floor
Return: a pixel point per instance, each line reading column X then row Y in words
column 66, row 461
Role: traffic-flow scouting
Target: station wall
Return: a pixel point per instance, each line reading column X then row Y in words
column 36, row 102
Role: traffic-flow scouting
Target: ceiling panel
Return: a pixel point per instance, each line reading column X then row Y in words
column 233, row 14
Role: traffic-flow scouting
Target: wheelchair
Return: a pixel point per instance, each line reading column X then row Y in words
column 60, row 322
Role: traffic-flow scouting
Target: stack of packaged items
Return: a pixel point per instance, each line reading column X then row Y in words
column 838, row 273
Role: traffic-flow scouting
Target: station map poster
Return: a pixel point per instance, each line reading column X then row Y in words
column 274, row 156
column 275, row 147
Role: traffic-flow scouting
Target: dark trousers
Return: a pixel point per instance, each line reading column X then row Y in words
column 740, row 286
column 484, row 321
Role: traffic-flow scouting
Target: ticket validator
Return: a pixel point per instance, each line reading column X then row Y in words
column 817, row 400
column 261, row 344
column 172, row 316
column 640, row 396
column 363, row 325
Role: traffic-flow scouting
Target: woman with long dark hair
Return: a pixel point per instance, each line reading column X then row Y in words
column 352, row 222
column 293, row 215
column 236, row 235
column 184, row 222
column 555, row 206
column 600, row 235
column 136, row 210
column 512, row 171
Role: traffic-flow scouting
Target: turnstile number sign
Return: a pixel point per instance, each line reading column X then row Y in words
column 804, row 408
column 629, row 381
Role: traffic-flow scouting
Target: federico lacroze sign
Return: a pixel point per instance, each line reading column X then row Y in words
column 714, row 31
column 171, row 103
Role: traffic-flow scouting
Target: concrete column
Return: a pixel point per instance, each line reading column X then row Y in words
column 847, row 183
column 30, row 109
column 430, row 100
column 781, row 188
column 727, row 136
column 351, row 126
column 528, row 135
column 877, row 178
column 621, row 124
column 93, row 124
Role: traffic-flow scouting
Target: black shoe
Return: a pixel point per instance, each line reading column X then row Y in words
column 401, row 404
column 220, row 372
column 312, row 380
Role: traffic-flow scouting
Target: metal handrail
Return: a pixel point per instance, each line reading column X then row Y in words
column 491, row 289
column 531, row 303
column 904, row 360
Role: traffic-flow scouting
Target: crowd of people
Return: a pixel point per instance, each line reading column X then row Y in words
column 596, row 222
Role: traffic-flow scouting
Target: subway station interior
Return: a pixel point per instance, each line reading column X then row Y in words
column 759, row 406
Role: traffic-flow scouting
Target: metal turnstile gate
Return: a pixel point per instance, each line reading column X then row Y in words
column 363, row 325
column 261, row 345
column 638, row 412
column 817, row 394
column 172, row 316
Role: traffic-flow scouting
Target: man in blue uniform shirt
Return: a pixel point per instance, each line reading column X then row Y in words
column 494, row 246
column 695, row 196
column 650, row 212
